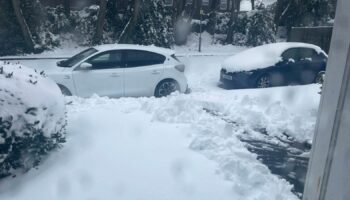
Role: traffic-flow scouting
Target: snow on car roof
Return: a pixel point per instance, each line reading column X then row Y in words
column 262, row 56
column 151, row 48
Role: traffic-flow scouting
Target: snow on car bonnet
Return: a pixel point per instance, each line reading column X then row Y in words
column 261, row 56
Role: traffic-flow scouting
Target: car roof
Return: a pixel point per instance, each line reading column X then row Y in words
column 263, row 56
column 151, row 48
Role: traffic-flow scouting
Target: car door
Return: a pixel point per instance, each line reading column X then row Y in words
column 143, row 71
column 290, row 65
column 104, row 78
column 311, row 63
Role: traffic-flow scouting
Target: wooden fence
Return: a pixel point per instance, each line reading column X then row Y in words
column 320, row 36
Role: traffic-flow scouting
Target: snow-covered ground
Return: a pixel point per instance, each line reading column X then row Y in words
column 178, row 147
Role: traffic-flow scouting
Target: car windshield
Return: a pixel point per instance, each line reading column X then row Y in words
column 77, row 58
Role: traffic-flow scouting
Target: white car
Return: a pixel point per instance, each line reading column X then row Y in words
column 121, row 70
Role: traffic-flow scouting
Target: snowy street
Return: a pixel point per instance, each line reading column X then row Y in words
column 178, row 147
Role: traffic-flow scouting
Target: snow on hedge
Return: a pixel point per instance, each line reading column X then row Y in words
column 32, row 117
column 262, row 56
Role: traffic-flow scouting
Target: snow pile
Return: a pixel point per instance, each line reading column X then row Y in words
column 262, row 56
column 32, row 117
column 141, row 148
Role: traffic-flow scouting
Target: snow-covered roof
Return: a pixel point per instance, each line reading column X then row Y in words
column 152, row 48
column 262, row 56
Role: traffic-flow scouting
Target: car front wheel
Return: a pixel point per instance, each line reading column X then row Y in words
column 166, row 87
column 263, row 81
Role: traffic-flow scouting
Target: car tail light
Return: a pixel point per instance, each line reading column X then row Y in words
column 180, row 68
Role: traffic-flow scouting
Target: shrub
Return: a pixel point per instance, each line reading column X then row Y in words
column 155, row 26
column 254, row 28
column 32, row 118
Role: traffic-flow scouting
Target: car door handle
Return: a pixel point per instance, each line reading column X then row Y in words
column 115, row 75
column 155, row 72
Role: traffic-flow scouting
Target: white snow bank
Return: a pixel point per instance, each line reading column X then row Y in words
column 132, row 148
column 262, row 56
column 26, row 89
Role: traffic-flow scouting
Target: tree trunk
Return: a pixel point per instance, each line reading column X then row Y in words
column 253, row 4
column 126, row 35
column 179, row 7
column 66, row 5
column 100, row 22
column 234, row 15
column 215, row 5
column 195, row 9
column 27, row 36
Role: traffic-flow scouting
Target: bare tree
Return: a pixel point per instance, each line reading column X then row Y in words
column 234, row 15
column 126, row 35
column 66, row 6
column 100, row 22
column 253, row 4
column 195, row 9
column 23, row 25
column 179, row 6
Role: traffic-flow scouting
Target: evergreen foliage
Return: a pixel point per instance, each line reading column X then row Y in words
column 254, row 28
column 154, row 25
column 296, row 13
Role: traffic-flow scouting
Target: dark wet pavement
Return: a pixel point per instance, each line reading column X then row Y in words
column 286, row 158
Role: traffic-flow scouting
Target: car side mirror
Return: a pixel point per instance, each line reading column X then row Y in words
column 85, row 65
column 61, row 63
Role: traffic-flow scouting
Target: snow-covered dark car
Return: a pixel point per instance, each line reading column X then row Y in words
column 277, row 64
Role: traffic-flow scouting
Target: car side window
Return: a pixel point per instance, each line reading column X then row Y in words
column 138, row 58
column 106, row 60
column 307, row 53
column 291, row 54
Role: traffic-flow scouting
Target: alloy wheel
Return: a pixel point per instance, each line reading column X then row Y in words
column 166, row 88
column 264, row 82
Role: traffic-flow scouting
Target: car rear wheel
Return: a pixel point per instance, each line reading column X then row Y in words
column 166, row 87
column 263, row 81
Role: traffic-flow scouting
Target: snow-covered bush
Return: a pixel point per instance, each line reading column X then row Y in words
column 79, row 26
column 155, row 25
column 221, row 21
column 254, row 28
column 260, row 28
column 32, row 118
